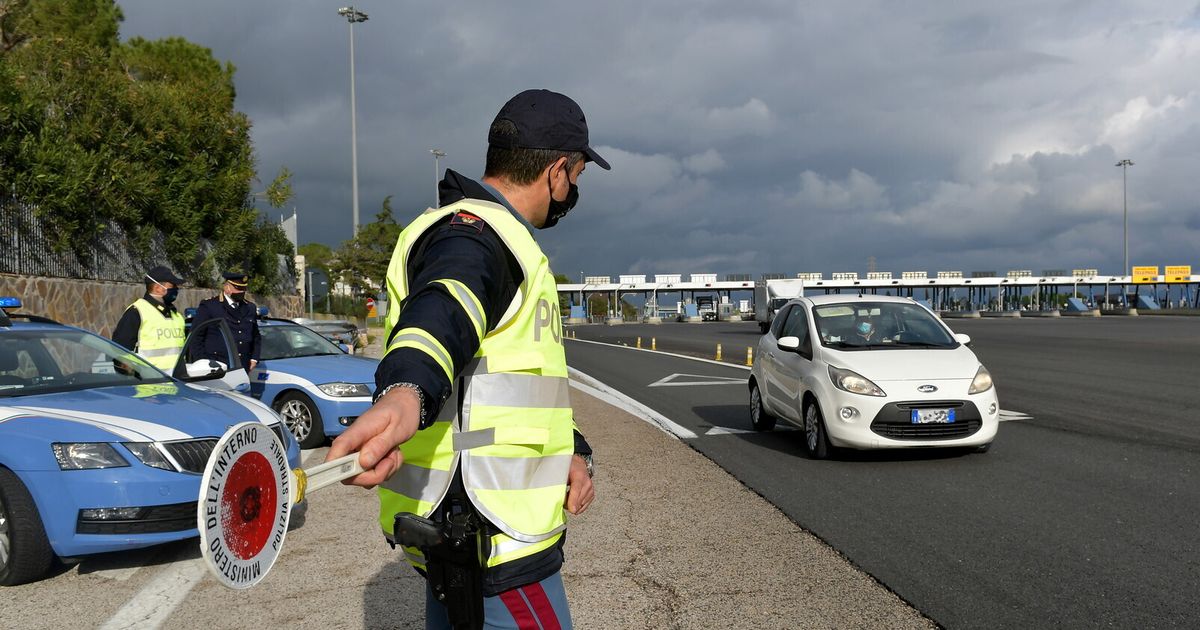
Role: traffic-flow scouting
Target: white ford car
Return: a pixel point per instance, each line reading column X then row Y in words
column 871, row 372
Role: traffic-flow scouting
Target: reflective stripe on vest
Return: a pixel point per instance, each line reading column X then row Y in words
column 160, row 338
column 513, row 440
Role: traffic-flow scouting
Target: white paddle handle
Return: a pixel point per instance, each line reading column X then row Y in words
column 313, row 479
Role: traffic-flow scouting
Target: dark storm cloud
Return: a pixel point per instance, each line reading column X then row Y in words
column 750, row 137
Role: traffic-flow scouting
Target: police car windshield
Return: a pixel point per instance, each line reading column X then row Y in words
column 290, row 341
column 879, row 325
column 37, row 361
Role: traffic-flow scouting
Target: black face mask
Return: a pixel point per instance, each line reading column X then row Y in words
column 559, row 209
column 170, row 295
column 237, row 298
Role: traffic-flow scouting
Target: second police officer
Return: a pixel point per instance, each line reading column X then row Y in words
column 239, row 313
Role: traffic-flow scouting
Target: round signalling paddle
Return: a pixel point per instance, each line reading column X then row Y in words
column 246, row 499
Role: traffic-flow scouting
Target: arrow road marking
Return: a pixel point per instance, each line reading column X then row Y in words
column 680, row 380
column 732, row 431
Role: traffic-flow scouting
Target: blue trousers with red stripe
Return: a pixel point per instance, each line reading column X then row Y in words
column 538, row 606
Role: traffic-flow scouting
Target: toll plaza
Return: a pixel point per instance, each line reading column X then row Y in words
column 1014, row 293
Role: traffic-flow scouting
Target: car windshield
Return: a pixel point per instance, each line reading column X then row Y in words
column 47, row 361
column 875, row 325
column 289, row 341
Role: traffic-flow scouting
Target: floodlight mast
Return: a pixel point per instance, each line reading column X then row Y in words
column 352, row 16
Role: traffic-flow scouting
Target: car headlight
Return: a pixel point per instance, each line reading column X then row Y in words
column 341, row 390
column 853, row 382
column 982, row 382
column 149, row 455
column 87, row 455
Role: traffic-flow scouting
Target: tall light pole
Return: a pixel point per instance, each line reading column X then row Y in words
column 353, row 15
column 1125, row 164
column 437, row 173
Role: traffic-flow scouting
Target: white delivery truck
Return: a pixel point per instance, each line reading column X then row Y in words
column 769, row 295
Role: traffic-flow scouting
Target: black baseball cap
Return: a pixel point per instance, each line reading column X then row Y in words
column 546, row 120
column 163, row 274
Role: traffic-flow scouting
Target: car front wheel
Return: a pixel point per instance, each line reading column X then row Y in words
column 815, row 435
column 25, row 553
column 759, row 418
column 302, row 418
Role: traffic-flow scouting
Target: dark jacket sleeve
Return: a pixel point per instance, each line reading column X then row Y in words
column 255, row 338
column 126, row 332
column 473, row 256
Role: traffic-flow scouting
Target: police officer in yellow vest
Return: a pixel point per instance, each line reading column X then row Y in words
column 152, row 326
column 472, row 429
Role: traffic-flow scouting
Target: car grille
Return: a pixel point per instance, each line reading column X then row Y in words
column 894, row 421
column 192, row 455
column 155, row 519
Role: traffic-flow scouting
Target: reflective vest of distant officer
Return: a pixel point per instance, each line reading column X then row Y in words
column 151, row 326
column 515, row 439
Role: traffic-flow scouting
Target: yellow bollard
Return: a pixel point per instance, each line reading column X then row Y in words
column 653, row 346
column 749, row 355
column 718, row 352
column 639, row 343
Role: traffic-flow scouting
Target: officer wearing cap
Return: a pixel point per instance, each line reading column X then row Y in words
column 241, row 315
column 478, row 334
column 152, row 326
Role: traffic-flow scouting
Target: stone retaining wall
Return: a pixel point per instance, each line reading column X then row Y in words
column 97, row 305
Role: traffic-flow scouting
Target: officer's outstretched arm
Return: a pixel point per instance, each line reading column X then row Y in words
column 391, row 421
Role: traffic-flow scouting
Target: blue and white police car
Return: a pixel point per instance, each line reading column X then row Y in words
column 99, row 450
column 316, row 387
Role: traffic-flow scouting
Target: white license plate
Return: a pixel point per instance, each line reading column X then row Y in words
column 932, row 416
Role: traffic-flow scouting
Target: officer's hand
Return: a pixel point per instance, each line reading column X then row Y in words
column 391, row 421
column 253, row 363
column 580, row 492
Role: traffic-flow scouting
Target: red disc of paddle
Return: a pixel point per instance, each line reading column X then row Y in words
column 244, row 505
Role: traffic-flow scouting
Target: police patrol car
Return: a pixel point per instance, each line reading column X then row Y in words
column 316, row 387
column 99, row 450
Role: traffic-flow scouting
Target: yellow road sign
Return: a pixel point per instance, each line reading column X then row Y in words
column 1178, row 273
column 1145, row 275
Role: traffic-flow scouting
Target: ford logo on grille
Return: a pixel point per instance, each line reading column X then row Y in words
column 927, row 389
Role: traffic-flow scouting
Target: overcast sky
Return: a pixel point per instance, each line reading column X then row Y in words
column 749, row 137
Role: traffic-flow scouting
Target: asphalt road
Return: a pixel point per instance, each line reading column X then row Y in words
column 1080, row 516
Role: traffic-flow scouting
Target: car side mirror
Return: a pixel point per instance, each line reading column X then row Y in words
column 964, row 339
column 345, row 348
column 204, row 370
column 789, row 344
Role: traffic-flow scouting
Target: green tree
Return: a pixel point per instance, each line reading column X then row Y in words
column 317, row 255
column 363, row 260
column 143, row 133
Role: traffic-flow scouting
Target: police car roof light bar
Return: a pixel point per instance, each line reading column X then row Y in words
column 8, row 301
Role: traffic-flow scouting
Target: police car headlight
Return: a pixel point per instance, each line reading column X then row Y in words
column 149, row 455
column 87, row 455
column 982, row 382
column 342, row 390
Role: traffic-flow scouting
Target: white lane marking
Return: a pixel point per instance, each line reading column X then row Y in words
column 670, row 354
column 731, row 431
column 1007, row 415
column 680, row 380
column 152, row 605
column 589, row 385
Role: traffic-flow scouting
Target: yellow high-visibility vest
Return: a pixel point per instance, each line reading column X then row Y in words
column 160, row 337
column 514, row 438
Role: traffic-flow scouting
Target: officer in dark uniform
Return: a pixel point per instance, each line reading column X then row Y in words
column 239, row 313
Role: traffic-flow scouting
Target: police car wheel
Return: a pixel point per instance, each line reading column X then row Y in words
column 302, row 418
column 25, row 553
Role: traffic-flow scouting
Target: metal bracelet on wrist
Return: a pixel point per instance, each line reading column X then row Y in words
column 413, row 386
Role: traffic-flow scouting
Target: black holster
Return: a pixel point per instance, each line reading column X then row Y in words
column 451, row 545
